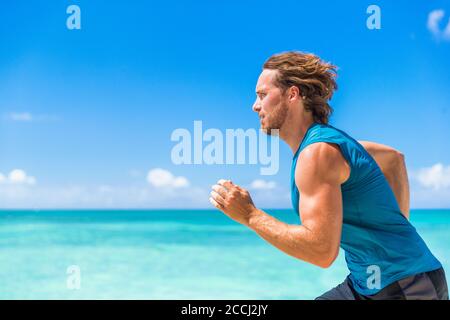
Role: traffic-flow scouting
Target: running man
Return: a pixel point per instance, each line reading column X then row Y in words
column 348, row 194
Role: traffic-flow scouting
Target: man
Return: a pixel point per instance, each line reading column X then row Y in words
column 345, row 195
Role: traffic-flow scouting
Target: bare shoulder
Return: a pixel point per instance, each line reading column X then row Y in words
column 321, row 163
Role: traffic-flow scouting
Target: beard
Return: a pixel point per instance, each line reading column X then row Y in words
column 276, row 119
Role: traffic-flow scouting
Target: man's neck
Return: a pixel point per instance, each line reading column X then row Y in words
column 294, row 128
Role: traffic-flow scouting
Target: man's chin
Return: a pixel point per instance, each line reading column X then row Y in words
column 271, row 131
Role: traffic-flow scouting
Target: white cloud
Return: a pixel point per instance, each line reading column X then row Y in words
column 269, row 194
column 23, row 116
column 180, row 182
column 434, row 18
column 138, row 196
column 29, row 117
column 162, row 178
column 433, row 21
column 161, row 190
column 436, row 177
column 430, row 186
column 260, row 184
column 17, row 176
column 101, row 196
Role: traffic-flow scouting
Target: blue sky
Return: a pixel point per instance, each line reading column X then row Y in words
column 86, row 114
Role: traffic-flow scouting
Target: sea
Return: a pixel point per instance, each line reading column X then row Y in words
column 165, row 254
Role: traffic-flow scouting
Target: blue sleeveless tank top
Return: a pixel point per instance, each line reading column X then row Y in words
column 377, row 239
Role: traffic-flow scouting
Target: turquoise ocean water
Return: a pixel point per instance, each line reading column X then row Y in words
column 166, row 254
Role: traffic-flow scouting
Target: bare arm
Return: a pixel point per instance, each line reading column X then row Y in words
column 319, row 177
column 392, row 163
column 317, row 240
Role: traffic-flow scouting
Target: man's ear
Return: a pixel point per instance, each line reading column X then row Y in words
column 294, row 93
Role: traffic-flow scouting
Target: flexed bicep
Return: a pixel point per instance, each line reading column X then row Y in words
column 319, row 177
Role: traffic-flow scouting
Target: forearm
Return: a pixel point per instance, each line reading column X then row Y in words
column 295, row 240
column 392, row 164
column 398, row 181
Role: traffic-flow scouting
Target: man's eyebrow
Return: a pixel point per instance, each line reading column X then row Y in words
column 260, row 91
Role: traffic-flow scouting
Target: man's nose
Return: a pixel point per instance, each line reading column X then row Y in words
column 256, row 106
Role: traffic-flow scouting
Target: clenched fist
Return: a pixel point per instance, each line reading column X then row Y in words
column 233, row 200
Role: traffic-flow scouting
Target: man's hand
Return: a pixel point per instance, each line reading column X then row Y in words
column 233, row 200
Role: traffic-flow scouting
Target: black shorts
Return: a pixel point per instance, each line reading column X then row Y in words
column 430, row 285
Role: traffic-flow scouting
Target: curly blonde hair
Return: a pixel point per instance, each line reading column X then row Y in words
column 314, row 78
